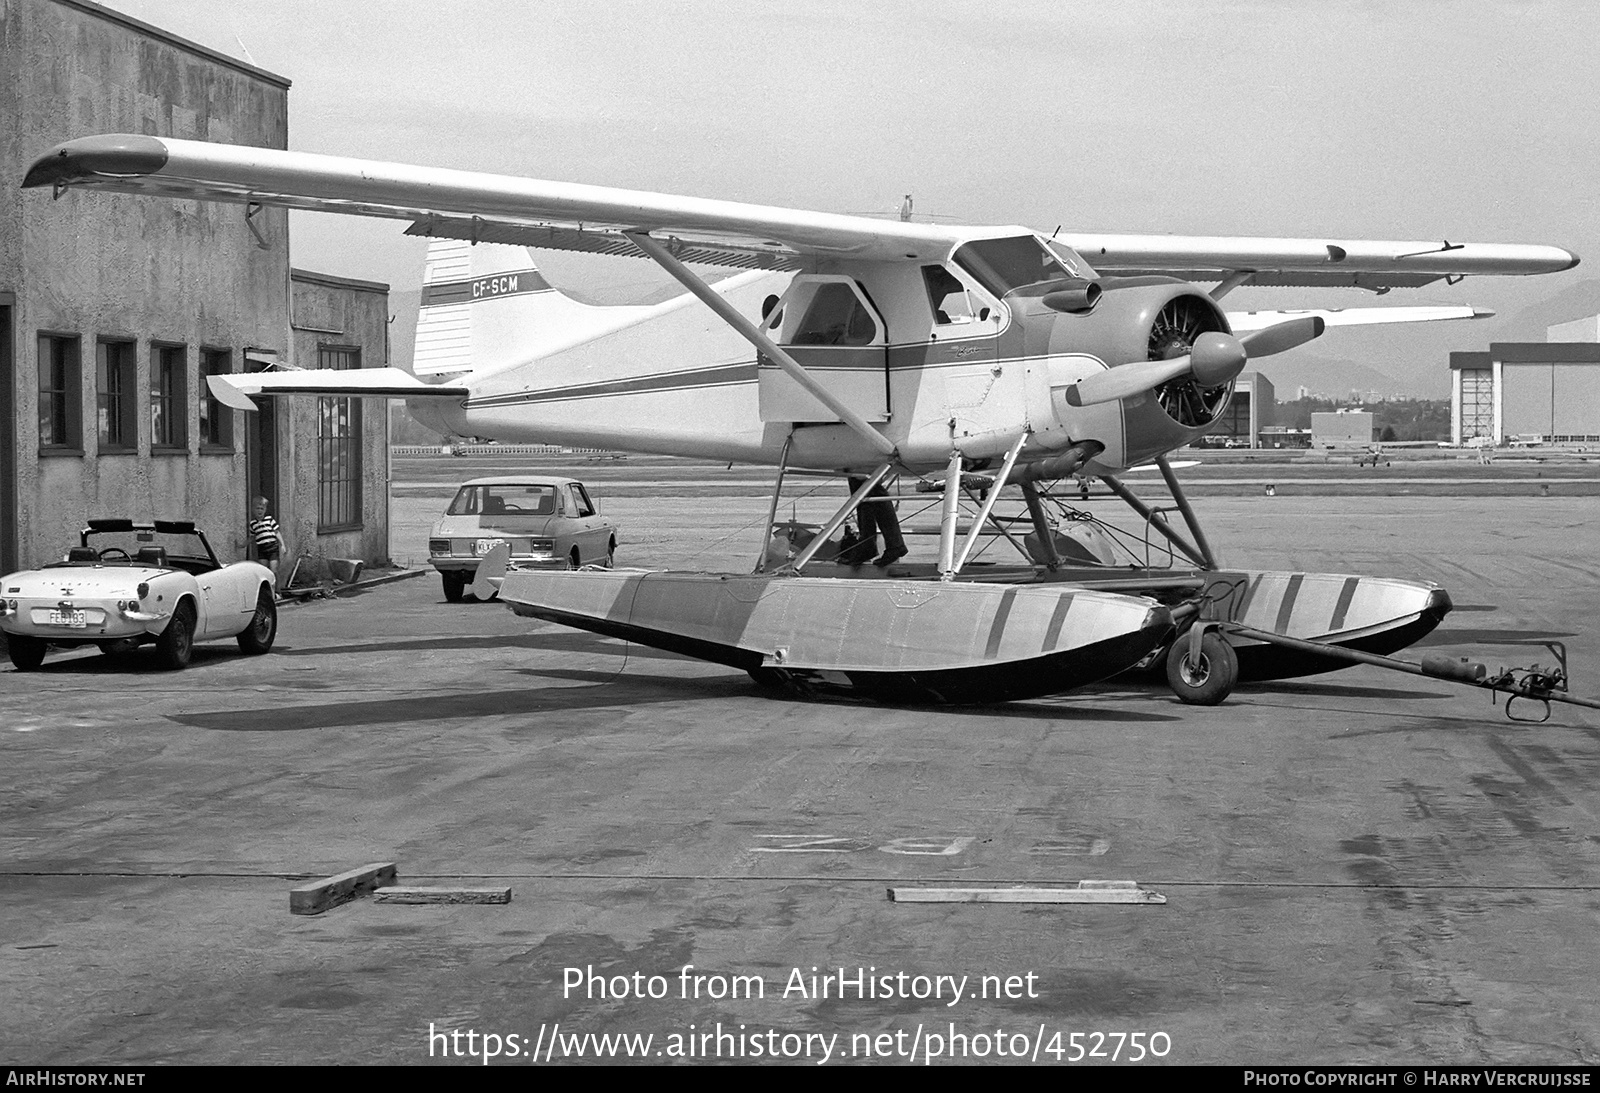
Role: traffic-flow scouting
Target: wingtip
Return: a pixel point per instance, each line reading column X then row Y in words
column 110, row 154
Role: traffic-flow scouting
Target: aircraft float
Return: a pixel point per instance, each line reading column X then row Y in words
column 954, row 361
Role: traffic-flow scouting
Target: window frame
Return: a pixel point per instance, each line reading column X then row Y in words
column 66, row 402
column 169, row 406
column 212, row 412
column 340, row 434
column 124, row 414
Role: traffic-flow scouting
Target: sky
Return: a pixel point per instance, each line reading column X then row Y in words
column 1471, row 120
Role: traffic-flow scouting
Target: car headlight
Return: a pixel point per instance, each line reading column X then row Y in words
column 8, row 607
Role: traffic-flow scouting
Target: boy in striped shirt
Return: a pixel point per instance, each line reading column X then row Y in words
column 266, row 537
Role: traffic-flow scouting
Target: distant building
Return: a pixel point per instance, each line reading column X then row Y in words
column 114, row 310
column 1252, row 407
column 1341, row 429
column 1530, row 392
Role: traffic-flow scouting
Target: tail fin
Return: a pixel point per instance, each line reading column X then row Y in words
column 486, row 306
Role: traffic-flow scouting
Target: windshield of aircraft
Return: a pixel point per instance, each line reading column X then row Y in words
column 504, row 498
column 1002, row 265
column 140, row 546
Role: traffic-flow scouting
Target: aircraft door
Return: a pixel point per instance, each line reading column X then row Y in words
column 830, row 326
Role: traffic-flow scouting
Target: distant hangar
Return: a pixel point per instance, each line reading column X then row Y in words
column 1541, row 392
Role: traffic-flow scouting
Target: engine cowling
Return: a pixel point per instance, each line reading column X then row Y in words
column 1135, row 319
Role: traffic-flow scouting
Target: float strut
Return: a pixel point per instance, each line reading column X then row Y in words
column 772, row 509
column 1209, row 559
column 1154, row 519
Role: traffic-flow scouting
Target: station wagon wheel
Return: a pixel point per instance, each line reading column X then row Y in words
column 1207, row 680
column 176, row 642
column 455, row 585
column 257, row 638
column 572, row 559
column 27, row 653
column 611, row 555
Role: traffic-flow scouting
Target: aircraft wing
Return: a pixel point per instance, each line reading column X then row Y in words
column 236, row 388
column 1242, row 321
column 465, row 204
column 568, row 215
column 1349, row 263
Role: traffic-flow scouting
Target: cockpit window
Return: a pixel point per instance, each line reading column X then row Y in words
column 1001, row 265
column 947, row 296
column 836, row 317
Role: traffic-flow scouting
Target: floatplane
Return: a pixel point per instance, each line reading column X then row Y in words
column 949, row 362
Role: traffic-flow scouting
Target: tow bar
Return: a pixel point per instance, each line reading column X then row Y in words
column 1532, row 684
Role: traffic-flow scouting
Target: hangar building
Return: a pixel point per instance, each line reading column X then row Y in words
column 114, row 310
column 1538, row 392
column 1249, row 411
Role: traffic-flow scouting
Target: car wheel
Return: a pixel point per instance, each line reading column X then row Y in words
column 26, row 653
column 572, row 559
column 176, row 642
column 1208, row 680
column 455, row 585
column 611, row 555
column 257, row 638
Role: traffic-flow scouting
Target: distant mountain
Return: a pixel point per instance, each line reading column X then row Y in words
column 1332, row 376
column 1532, row 323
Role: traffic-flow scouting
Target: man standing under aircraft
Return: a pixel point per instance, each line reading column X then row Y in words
column 872, row 515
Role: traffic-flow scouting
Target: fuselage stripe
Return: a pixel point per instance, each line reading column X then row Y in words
column 1342, row 608
column 1052, row 632
column 723, row 375
column 998, row 629
column 1286, row 608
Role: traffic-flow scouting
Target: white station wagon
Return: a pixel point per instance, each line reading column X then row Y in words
column 549, row 523
column 129, row 584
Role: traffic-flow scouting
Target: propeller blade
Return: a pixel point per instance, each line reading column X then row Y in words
column 1214, row 359
column 1280, row 336
column 1125, row 381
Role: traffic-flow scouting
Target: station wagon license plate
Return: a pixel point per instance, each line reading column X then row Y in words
column 69, row 618
column 484, row 546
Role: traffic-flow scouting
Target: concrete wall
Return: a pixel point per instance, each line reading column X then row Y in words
column 340, row 313
column 99, row 265
column 1556, row 399
column 1337, row 430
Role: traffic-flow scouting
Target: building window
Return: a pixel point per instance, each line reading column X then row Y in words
column 216, row 420
column 1477, row 403
column 117, row 384
column 60, row 370
column 169, row 407
column 338, row 449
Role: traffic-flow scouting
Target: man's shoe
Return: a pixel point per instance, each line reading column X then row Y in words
column 890, row 556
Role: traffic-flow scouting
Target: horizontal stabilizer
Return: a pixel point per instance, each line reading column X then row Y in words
column 237, row 389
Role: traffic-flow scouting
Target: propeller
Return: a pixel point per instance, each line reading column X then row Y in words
column 1214, row 359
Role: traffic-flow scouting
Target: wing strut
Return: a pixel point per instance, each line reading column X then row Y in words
column 748, row 330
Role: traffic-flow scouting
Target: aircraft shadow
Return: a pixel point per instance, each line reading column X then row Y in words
column 1492, row 636
column 576, row 641
column 452, row 707
column 1336, row 690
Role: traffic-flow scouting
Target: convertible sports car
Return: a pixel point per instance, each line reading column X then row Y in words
column 129, row 584
column 550, row 523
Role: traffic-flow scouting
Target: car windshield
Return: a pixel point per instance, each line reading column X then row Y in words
column 139, row 546
column 503, row 498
